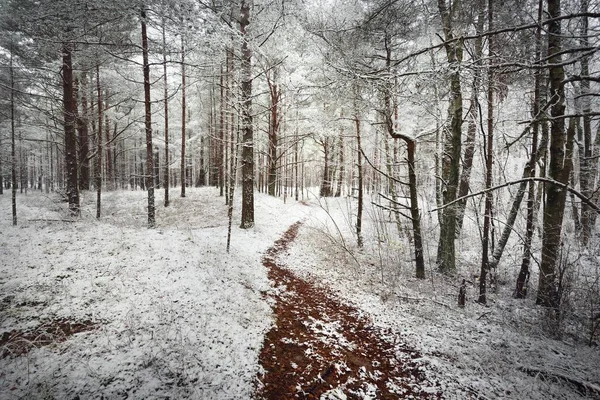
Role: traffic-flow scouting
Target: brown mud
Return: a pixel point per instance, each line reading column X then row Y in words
column 323, row 348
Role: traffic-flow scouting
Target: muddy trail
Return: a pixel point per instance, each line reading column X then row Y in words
column 321, row 348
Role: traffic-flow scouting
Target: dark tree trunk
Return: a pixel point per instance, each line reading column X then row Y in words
column 183, row 120
column 296, row 150
column 275, row 94
column 452, row 147
column 248, row 136
column 166, row 109
column 99, row 149
column 84, row 141
column 560, row 149
column 414, row 209
column 13, row 147
column 487, row 218
column 360, row 180
column 523, row 278
column 587, row 172
column 70, row 132
column 359, row 161
column 221, row 131
column 148, row 123
column 108, row 152
column 340, row 180
column 326, row 183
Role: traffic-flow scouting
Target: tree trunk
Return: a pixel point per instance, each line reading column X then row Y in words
column 452, row 147
column 523, row 278
column 488, row 165
column 248, row 136
column 99, row 156
column 166, row 109
column 326, row 182
column 467, row 163
column 148, row 123
column 359, row 151
column 554, row 204
column 275, row 94
column 13, row 152
column 340, row 180
column 84, row 141
column 414, row 209
column 221, row 134
column 109, row 158
column 70, row 133
column 183, row 121
column 586, row 167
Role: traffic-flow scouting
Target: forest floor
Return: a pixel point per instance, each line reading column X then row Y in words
column 322, row 348
column 108, row 308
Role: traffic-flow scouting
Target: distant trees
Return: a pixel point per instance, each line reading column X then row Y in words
column 384, row 103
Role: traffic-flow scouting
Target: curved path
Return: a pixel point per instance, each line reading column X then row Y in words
column 321, row 348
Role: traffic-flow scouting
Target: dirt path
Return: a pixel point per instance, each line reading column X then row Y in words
column 323, row 349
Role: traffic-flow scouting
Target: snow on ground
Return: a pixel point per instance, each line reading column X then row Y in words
column 179, row 317
column 476, row 350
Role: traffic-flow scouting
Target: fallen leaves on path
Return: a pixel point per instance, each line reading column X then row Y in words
column 321, row 348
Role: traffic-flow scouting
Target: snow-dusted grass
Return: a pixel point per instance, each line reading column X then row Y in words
column 178, row 316
column 181, row 318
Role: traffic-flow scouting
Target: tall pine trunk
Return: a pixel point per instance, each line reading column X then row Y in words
column 183, row 121
column 166, row 109
column 99, row 150
column 148, row 124
column 275, row 94
column 70, row 132
column 247, row 129
column 84, row 141
column 13, row 147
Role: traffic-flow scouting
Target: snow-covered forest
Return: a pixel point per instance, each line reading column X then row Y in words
column 271, row 199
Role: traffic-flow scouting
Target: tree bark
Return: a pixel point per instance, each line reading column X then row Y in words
column 109, row 153
column 166, row 110
column 326, row 182
column 359, row 151
column 84, row 141
column 452, row 146
column 70, row 132
column 221, row 132
column 275, row 94
column 13, row 147
column 414, row 209
column 523, row 278
column 340, row 180
column 560, row 147
column 148, row 124
column 184, row 180
column 488, row 165
column 247, row 220
column 586, row 172
column 99, row 149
